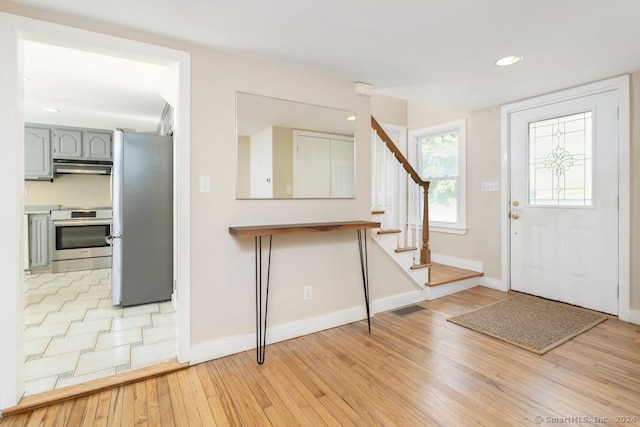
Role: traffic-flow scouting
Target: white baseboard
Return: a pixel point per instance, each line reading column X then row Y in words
column 391, row 303
column 219, row 348
column 490, row 282
column 435, row 292
column 634, row 317
column 458, row 262
column 226, row 346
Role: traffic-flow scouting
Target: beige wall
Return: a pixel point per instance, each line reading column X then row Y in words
column 392, row 111
column 222, row 285
column 69, row 191
column 482, row 240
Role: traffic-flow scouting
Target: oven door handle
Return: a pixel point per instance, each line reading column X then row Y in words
column 109, row 239
column 81, row 222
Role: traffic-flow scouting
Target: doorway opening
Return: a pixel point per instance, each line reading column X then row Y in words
column 19, row 32
column 73, row 331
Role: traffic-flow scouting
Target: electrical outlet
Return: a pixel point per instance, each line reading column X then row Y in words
column 205, row 184
column 308, row 294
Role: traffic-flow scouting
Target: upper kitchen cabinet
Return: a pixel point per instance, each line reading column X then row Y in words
column 67, row 144
column 97, row 145
column 37, row 153
column 81, row 144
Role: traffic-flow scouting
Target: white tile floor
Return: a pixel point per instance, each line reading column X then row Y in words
column 73, row 333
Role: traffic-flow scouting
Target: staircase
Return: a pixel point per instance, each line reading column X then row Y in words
column 397, row 198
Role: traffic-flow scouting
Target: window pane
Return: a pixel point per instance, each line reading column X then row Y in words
column 560, row 161
column 439, row 155
column 443, row 200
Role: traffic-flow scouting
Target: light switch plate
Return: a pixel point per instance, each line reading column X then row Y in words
column 490, row 186
column 205, row 184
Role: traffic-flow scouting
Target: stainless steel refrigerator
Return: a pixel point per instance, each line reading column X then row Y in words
column 142, row 233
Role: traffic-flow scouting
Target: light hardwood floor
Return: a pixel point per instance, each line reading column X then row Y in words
column 418, row 370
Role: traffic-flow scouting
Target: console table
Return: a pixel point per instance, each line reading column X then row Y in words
column 260, row 231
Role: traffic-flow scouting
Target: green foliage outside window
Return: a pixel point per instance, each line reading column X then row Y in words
column 439, row 164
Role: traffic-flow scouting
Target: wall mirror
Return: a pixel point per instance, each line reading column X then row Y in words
column 288, row 149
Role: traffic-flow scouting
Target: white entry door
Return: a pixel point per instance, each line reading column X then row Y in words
column 564, row 201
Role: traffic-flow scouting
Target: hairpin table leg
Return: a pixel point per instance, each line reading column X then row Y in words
column 261, row 303
column 364, row 266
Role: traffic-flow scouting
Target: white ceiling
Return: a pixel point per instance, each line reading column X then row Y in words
column 439, row 52
column 92, row 90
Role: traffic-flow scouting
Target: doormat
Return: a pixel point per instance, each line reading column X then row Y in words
column 405, row 311
column 534, row 324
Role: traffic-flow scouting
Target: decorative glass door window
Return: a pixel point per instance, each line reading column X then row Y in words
column 561, row 161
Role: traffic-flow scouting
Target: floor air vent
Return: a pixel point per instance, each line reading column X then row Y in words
column 405, row 311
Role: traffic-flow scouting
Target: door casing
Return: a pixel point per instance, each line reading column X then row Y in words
column 13, row 31
column 624, row 179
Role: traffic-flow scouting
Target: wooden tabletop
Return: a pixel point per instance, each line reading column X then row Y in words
column 269, row 230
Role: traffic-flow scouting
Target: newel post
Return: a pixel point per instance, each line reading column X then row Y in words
column 425, row 252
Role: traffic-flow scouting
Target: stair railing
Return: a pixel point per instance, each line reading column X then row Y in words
column 425, row 252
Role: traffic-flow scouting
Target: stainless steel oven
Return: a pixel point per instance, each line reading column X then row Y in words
column 79, row 239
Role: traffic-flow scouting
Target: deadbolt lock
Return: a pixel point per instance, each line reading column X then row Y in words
column 516, row 203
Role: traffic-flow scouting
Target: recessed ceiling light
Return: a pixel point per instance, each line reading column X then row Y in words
column 508, row 60
column 50, row 109
column 351, row 118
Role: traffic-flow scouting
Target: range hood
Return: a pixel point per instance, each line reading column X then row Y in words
column 92, row 167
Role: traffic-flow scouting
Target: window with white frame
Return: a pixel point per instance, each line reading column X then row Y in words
column 440, row 158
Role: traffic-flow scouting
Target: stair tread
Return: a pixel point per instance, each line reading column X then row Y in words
column 441, row 274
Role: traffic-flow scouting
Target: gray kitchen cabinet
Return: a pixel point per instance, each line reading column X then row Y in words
column 39, row 240
column 81, row 144
column 37, row 153
column 67, row 143
column 97, row 145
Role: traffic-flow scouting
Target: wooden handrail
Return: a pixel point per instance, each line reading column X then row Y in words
column 397, row 153
column 425, row 252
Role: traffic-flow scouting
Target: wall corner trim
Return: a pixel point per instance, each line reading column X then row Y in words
column 493, row 283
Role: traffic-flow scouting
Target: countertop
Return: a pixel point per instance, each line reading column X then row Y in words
column 40, row 209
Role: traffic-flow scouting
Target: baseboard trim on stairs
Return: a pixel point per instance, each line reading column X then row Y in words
column 467, row 264
column 436, row 292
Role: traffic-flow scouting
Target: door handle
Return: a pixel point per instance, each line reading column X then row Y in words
column 514, row 215
column 109, row 239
